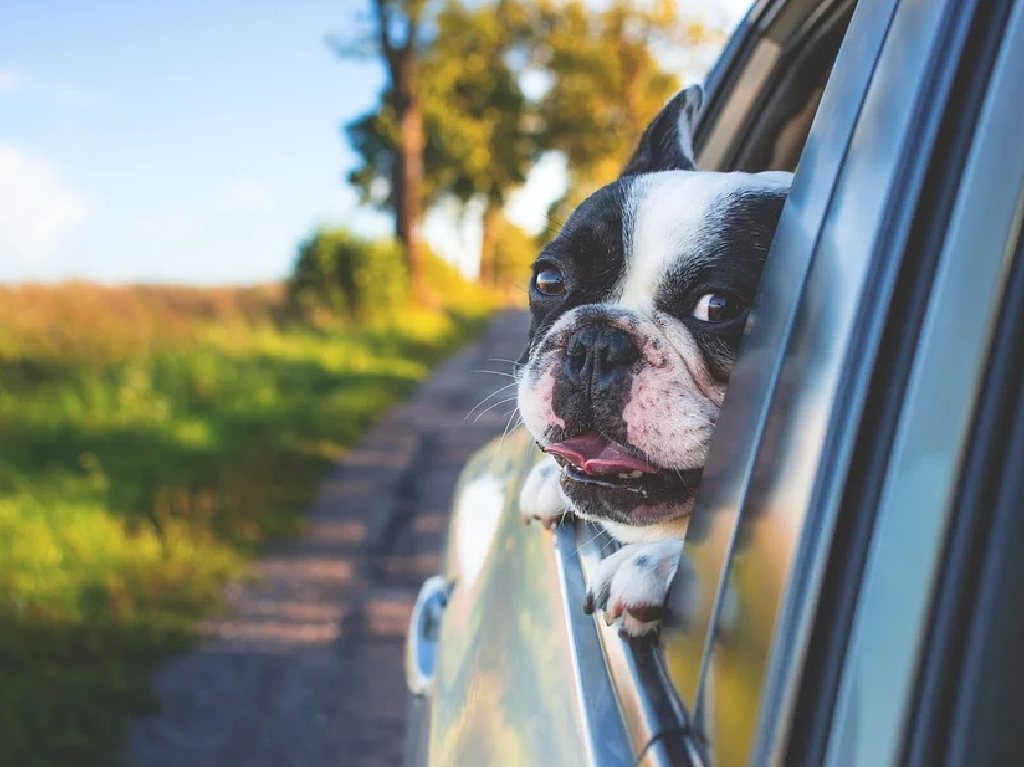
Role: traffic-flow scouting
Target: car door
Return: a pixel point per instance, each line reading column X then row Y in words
column 840, row 447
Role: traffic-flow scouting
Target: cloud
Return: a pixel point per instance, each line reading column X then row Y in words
column 11, row 80
column 39, row 212
column 244, row 196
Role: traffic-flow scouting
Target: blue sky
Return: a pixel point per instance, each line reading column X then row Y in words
column 195, row 141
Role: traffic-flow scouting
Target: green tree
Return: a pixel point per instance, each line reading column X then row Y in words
column 391, row 139
column 478, row 133
column 348, row 276
column 479, row 119
column 476, row 142
column 607, row 82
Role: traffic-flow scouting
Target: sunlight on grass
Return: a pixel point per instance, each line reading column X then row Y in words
column 141, row 467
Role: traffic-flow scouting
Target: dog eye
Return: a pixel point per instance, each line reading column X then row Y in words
column 716, row 307
column 549, row 281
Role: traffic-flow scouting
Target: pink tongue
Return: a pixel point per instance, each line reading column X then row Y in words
column 596, row 455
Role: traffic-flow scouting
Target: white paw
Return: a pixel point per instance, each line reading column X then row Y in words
column 631, row 585
column 541, row 497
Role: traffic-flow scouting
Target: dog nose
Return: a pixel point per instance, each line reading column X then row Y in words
column 596, row 355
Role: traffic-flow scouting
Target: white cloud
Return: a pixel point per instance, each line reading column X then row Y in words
column 39, row 212
column 244, row 196
column 11, row 80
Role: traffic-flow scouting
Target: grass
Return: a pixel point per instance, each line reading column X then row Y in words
column 151, row 440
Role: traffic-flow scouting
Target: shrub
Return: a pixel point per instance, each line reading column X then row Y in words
column 348, row 276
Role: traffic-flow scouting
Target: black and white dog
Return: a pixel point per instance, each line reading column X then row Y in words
column 638, row 306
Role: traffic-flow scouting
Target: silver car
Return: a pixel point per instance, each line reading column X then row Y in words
column 853, row 581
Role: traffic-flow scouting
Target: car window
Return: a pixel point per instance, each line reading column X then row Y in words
column 765, row 118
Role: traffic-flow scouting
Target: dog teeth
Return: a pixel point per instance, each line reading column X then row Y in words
column 635, row 474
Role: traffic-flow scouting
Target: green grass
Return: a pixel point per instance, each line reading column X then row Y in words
column 136, row 480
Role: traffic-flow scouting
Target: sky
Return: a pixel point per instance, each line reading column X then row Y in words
column 191, row 142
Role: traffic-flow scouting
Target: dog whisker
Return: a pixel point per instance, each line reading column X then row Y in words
column 495, row 373
column 490, row 396
column 492, row 406
column 508, row 428
column 514, row 363
column 587, row 542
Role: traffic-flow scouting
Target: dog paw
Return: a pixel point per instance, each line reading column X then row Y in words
column 541, row 496
column 631, row 585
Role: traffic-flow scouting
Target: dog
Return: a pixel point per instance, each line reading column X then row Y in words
column 637, row 308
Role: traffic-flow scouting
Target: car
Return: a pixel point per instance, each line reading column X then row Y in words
column 851, row 586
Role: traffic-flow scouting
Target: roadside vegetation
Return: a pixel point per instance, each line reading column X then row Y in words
column 151, row 441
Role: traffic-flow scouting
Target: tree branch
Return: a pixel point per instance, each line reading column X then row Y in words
column 387, row 47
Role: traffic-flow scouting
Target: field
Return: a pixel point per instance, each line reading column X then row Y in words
column 151, row 440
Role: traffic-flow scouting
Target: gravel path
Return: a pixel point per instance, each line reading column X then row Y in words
column 306, row 669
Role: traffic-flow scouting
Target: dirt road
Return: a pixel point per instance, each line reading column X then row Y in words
column 306, row 668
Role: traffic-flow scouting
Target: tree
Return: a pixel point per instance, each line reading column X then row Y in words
column 479, row 116
column 607, row 82
column 391, row 140
column 474, row 132
column 475, row 141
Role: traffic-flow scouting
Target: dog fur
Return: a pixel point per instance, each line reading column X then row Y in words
column 637, row 309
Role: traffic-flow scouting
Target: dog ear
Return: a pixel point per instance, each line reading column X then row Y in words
column 667, row 143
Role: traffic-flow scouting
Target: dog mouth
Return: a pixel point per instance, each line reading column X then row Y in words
column 591, row 459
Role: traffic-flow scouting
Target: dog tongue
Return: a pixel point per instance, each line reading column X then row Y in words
column 596, row 455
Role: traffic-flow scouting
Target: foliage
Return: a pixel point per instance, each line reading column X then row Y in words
column 476, row 109
column 339, row 275
column 446, row 286
column 482, row 133
column 150, row 441
column 607, row 83
column 396, row 132
column 477, row 140
column 349, row 276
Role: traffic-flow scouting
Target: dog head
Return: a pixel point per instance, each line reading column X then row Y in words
column 638, row 305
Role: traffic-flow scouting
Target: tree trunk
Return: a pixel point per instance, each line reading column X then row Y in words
column 491, row 224
column 407, row 176
column 409, row 208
